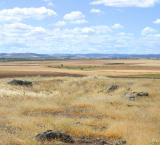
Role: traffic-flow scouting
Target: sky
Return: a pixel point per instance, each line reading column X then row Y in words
column 80, row 26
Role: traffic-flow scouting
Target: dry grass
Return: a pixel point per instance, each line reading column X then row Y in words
column 80, row 67
column 80, row 107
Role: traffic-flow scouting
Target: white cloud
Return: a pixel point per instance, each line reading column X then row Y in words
column 18, row 14
column 87, row 30
column 117, row 26
column 60, row 24
column 97, row 11
column 49, row 3
column 100, row 38
column 147, row 31
column 16, row 26
column 76, row 17
column 98, row 30
column 16, row 29
column 126, row 3
column 88, row 39
column 150, row 39
column 60, row 40
column 18, row 36
column 157, row 21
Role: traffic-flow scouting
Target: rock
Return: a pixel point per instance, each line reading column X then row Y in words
column 67, row 139
column 100, row 141
column 131, row 96
column 141, row 94
column 54, row 135
column 134, row 95
column 20, row 83
column 120, row 142
column 112, row 88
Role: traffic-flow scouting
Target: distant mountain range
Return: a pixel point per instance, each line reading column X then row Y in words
column 23, row 55
column 34, row 56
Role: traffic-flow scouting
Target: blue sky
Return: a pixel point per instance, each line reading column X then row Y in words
column 81, row 26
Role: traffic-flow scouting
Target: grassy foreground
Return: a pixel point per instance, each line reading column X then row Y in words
column 81, row 107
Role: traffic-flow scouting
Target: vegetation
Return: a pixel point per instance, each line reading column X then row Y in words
column 79, row 106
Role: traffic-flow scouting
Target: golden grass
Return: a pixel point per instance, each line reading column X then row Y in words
column 80, row 107
column 143, row 68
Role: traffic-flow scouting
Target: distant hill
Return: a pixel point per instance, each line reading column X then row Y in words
column 34, row 56
column 23, row 55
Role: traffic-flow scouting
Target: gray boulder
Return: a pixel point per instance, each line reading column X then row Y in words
column 131, row 96
column 134, row 95
column 50, row 135
column 112, row 88
column 141, row 94
column 20, row 83
column 99, row 141
column 67, row 139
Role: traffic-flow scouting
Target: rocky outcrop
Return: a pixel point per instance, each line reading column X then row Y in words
column 51, row 135
column 112, row 88
column 20, row 83
column 134, row 95
column 99, row 141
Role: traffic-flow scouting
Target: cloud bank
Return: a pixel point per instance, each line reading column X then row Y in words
column 19, row 14
column 126, row 3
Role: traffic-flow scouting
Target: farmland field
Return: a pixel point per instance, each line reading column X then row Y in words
column 79, row 97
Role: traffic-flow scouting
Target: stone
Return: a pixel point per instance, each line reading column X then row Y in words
column 50, row 135
column 141, row 94
column 20, row 83
column 134, row 95
column 112, row 88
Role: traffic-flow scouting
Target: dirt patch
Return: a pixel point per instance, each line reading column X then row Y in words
column 4, row 74
column 71, row 112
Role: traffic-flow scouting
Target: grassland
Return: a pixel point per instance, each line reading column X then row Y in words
column 71, row 96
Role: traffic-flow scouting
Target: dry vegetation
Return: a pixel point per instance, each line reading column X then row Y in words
column 80, row 106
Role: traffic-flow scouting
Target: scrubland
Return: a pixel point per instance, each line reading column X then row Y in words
column 81, row 105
